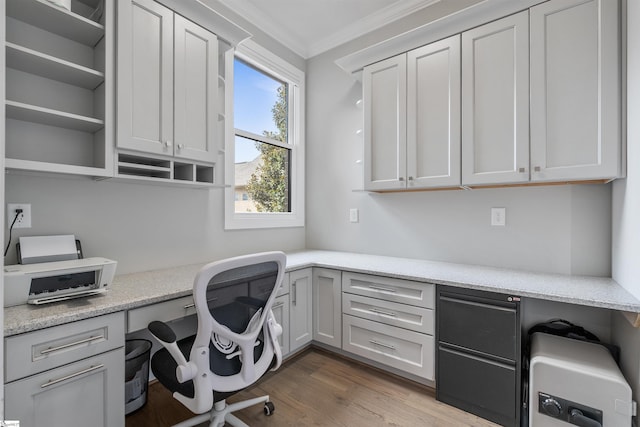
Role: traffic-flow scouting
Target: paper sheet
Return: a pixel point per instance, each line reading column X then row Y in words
column 34, row 249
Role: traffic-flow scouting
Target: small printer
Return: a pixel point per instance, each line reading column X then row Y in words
column 52, row 269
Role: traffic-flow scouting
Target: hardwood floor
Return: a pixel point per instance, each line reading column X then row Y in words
column 317, row 388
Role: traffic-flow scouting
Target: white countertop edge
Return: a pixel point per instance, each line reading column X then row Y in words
column 139, row 289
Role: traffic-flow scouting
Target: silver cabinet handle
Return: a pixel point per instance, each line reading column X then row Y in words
column 401, row 178
column 384, row 312
column 68, row 377
column 167, row 143
column 382, row 288
column 410, row 178
column 72, row 344
column 374, row 342
column 294, row 294
column 180, row 146
column 537, row 168
column 522, row 170
column 193, row 304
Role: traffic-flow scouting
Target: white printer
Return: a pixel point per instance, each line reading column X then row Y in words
column 574, row 382
column 53, row 269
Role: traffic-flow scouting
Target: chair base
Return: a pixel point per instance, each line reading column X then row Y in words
column 222, row 412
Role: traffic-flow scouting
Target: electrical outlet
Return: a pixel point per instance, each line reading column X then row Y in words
column 353, row 215
column 23, row 220
column 498, row 216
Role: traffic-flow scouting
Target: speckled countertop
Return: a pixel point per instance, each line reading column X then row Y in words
column 138, row 289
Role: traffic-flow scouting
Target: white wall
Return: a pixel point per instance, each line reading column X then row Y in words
column 559, row 229
column 626, row 208
column 141, row 226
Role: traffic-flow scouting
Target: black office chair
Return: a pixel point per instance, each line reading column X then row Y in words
column 236, row 342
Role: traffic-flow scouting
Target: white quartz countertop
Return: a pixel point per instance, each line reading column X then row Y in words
column 138, row 289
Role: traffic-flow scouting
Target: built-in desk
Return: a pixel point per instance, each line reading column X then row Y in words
column 139, row 289
column 86, row 335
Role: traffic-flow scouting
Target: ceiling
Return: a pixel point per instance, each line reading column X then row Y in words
column 310, row 27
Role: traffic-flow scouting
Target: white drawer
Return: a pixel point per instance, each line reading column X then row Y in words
column 139, row 318
column 45, row 349
column 390, row 289
column 399, row 348
column 405, row 316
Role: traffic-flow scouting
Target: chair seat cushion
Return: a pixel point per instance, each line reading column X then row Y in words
column 164, row 367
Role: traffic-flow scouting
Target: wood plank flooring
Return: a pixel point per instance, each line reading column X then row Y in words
column 317, row 388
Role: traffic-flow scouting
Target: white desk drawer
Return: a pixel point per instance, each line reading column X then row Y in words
column 405, row 316
column 139, row 318
column 390, row 289
column 45, row 349
column 396, row 347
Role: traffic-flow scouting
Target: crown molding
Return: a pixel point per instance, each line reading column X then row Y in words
column 384, row 16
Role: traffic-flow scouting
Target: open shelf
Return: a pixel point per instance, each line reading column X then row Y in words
column 36, row 166
column 47, row 116
column 57, row 20
column 31, row 61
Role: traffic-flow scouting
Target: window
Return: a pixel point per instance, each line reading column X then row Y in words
column 265, row 152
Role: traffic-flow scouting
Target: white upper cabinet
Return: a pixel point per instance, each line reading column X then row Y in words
column 385, row 142
column 59, row 86
column 168, row 83
column 412, row 119
column 495, row 102
column 196, row 91
column 575, row 90
column 433, row 115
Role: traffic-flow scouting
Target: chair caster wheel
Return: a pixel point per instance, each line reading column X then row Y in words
column 269, row 408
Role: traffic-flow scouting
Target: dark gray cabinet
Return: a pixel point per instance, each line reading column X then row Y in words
column 478, row 356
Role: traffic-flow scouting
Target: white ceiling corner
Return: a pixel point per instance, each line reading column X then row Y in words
column 311, row 27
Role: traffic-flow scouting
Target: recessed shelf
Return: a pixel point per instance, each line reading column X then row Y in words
column 57, row 20
column 31, row 61
column 46, row 116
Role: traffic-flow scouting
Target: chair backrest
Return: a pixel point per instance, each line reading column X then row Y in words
column 236, row 341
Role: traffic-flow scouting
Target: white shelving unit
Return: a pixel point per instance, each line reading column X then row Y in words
column 59, row 107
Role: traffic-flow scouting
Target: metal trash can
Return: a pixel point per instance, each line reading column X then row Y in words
column 136, row 371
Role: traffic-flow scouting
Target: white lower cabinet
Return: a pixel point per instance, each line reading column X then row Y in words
column 300, row 309
column 280, row 310
column 327, row 309
column 390, row 321
column 68, row 375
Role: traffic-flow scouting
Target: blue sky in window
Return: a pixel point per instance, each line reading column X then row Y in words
column 254, row 93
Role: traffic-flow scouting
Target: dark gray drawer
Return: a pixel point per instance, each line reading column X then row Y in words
column 482, row 387
column 480, row 324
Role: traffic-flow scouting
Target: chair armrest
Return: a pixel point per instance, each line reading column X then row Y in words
column 185, row 370
column 162, row 332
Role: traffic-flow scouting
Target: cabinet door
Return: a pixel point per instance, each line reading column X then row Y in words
column 145, row 77
column 89, row 392
column 280, row 310
column 196, row 91
column 300, row 311
column 385, row 106
column 433, row 115
column 575, row 90
column 327, row 306
column 495, row 102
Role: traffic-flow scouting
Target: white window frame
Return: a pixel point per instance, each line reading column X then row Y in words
column 264, row 60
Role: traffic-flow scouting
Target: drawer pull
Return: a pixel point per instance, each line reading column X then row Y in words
column 374, row 342
column 68, row 377
column 386, row 313
column 193, row 304
column 72, row 344
column 382, row 288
